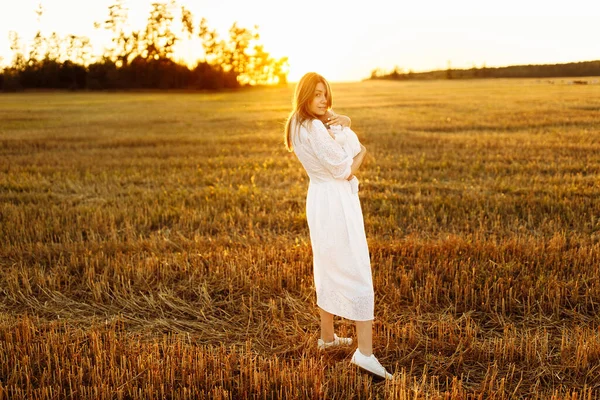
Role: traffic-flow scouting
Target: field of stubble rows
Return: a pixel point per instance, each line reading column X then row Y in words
column 154, row 245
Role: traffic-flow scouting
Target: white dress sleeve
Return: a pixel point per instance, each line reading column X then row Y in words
column 331, row 155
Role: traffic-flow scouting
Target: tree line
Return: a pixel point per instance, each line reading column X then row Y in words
column 576, row 69
column 143, row 58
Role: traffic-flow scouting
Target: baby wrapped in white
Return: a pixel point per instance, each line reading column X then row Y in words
column 346, row 138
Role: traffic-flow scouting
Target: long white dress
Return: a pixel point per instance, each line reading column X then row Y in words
column 341, row 264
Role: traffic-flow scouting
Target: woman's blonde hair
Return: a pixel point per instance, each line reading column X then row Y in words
column 305, row 92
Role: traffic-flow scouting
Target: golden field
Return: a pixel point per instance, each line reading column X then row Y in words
column 154, row 245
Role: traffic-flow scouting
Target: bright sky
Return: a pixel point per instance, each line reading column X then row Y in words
column 345, row 40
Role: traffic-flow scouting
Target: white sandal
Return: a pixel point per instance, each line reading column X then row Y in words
column 337, row 341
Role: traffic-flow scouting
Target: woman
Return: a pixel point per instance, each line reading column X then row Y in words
column 341, row 264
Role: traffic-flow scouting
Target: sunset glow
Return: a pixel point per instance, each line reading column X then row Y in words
column 346, row 42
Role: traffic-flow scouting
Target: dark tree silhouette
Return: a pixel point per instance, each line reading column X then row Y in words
column 213, row 48
column 158, row 38
column 142, row 58
column 16, row 47
column 125, row 45
column 576, row 69
column 187, row 20
column 242, row 55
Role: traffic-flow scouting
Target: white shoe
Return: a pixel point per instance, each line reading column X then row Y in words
column 370, row 364
column 337, row 341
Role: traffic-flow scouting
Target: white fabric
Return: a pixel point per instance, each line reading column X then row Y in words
column 346, row 138
column 341, row 264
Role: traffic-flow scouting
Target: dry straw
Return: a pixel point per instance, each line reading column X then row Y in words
column 155, row 245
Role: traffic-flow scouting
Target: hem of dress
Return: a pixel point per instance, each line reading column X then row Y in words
column 345, row 317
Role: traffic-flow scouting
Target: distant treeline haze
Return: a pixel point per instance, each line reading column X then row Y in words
column 575, row 69
column 143, row 58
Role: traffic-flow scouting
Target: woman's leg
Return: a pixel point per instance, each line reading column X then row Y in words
column 364, row 331
column 363, row 356
column 326, row 326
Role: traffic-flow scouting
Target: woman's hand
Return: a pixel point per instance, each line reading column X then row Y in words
column 338, row 119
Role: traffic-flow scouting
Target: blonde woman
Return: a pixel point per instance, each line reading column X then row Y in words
column 341, row 264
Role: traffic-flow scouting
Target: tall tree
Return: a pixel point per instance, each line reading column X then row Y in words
column 264, row 69
column 17, row 48
column 36, row 54
column 242, row 55
column 125, row 44
column 54, row 44
column 237, row 55
column 187, row 20
column 212, row 46
column 78, row 49
column 159, row 38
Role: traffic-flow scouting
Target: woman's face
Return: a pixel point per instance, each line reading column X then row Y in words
column 318, row 105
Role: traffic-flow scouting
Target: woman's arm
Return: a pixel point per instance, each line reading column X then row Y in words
column 329, row 153
column 357, row 161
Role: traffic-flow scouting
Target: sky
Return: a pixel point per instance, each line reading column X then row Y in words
column 346, row 40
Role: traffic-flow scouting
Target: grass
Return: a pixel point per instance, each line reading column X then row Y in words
column 154, row 245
